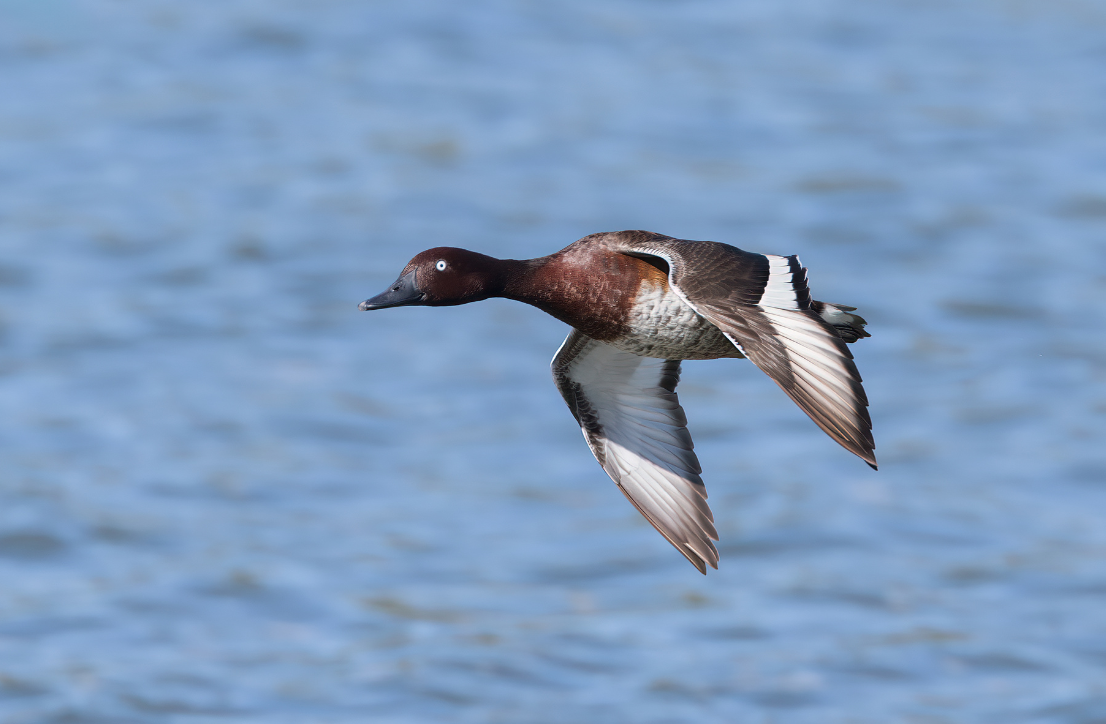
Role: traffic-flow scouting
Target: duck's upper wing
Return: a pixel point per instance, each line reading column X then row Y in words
column 627, row 408
column 761, row 302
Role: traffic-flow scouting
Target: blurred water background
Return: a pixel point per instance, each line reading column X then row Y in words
column 228, row 496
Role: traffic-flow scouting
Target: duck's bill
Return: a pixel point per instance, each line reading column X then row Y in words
column 403, row 292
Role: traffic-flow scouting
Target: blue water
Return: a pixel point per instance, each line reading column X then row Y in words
column 228, row 496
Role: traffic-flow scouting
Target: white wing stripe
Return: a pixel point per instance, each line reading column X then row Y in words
column 779, row 291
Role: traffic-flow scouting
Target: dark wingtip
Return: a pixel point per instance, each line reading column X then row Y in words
column 702, row 565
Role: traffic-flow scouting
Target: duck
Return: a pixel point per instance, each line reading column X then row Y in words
column 639, row 304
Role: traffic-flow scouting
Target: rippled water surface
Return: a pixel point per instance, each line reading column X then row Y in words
column 228, row 496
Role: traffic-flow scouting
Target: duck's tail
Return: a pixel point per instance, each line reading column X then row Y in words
column 849, row 326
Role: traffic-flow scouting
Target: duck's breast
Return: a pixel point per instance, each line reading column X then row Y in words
column 659, row 323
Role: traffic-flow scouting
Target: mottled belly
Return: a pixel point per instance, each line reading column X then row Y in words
column 662, row 325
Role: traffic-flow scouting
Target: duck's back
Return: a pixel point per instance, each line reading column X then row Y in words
column 623, row 300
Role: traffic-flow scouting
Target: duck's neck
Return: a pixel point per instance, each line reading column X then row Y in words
column 551, row 286
column 519, row 279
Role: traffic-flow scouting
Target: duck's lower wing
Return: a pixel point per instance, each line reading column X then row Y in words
column 632, row 420
column 761, row 302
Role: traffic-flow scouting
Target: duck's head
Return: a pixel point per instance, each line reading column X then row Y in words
column 441, row 277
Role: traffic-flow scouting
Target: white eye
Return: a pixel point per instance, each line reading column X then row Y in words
column 440, row 266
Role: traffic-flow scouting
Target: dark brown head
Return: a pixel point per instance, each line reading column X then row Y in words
column 442, row 277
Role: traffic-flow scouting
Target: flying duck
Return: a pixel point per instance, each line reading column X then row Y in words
column 640, row 303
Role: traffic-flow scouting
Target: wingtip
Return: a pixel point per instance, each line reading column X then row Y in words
column 867, row 453
column 699, row 561
column 701, row 566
